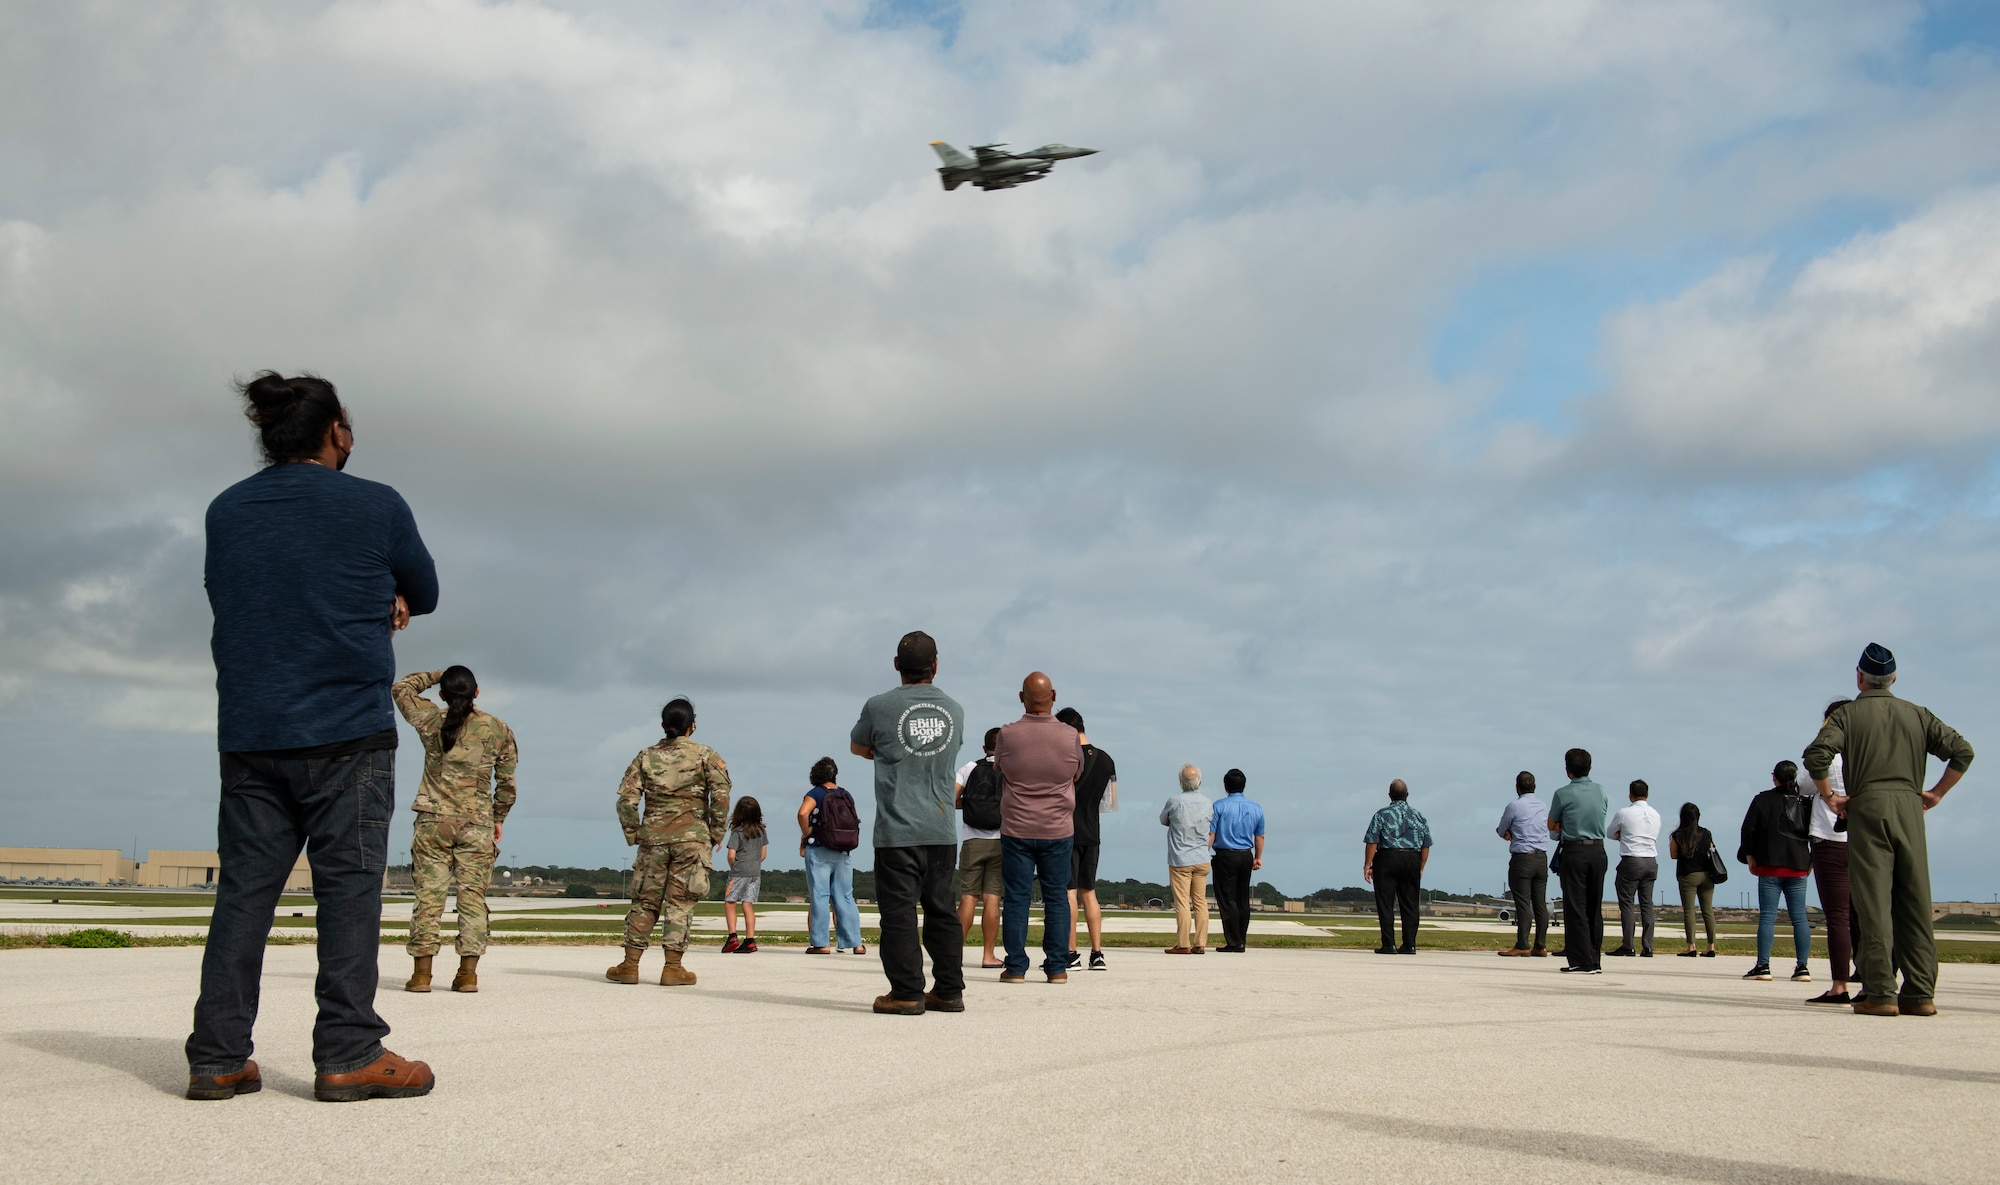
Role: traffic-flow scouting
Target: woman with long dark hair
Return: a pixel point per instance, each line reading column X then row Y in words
column 1774, row 845
column 462, row 805
column 1689, row 845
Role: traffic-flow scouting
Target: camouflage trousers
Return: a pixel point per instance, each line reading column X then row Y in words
column 667, row 879
column 446, row 854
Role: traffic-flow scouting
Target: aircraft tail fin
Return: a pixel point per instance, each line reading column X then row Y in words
column 952, row 157
column 951, row 183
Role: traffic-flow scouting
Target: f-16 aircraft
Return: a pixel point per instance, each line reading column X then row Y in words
column 995, row 169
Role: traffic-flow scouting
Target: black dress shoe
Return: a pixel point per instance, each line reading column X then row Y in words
column 1623, row 952
column 1385, row 950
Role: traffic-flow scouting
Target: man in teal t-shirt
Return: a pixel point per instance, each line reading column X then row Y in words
column 913, row 733
column 1576, row 818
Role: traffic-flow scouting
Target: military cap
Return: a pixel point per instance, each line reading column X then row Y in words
column 1876, row 660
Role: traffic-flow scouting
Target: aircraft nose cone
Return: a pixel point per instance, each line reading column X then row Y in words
column 1084, row 151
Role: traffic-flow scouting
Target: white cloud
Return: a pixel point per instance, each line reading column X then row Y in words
column 1878, row 351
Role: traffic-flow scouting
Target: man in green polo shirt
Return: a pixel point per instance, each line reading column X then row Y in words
column 1576, row 817
column 1883, row 743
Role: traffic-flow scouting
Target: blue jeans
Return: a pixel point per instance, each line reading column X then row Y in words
column 337, row 809
column 1794, row 890
column 1021, row 862
column 830, row 876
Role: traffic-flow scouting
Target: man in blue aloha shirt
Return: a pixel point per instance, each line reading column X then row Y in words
column 1394, row 852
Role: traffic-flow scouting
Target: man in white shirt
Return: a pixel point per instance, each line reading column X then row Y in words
column 1637, row 830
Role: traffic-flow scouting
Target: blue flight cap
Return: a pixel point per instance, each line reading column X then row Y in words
column 1876, row 660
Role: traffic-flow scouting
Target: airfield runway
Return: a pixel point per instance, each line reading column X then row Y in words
column 1293, row 1065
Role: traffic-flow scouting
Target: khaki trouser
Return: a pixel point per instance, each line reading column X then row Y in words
column 667, row 880
column 1190, row 888
column 1889, row 879
column 448, row 854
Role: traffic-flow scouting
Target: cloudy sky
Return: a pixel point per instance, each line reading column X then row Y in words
column 1405, row 390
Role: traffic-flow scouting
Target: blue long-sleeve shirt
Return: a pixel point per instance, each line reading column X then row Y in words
column 1527, row 820
column 303, row 567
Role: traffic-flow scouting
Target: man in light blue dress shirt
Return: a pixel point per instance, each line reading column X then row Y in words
column 1524, row 824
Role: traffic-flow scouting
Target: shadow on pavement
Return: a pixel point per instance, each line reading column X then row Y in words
column 707, row 992
column 1851, row 1064
column 1604, row 1151
column 592, row 976
column 159, row 1062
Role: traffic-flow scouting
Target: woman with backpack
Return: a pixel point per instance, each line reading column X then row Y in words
column 829, row 831
column 1693, row 851
column 1774, row 845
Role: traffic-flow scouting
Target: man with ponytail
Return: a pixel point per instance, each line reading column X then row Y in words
column 309, row 572
column 673, row 804
column 468, row 788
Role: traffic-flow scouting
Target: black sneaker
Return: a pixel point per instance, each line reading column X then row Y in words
column 1760, row 971
column 1075, row 960
column 1801, row 974
column 1097, row 961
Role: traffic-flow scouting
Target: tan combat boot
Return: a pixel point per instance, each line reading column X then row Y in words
column 627, row 971
column 673, row 974
column 467, row 979
column 420, row 977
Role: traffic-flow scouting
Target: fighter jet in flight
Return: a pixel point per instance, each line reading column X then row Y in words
column 995, row 169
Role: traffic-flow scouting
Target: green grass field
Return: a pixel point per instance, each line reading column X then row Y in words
column 569, row 923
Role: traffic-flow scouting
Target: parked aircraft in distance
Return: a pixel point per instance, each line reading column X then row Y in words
column 990, row 168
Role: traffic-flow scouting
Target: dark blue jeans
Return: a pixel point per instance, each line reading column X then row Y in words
column 337, row 808
column 1021, row 862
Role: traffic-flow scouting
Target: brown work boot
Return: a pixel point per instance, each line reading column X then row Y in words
column 936, row 1003
column 420, row 975
column 1866, row 1007
column 387, row 1077
column 1916, row 1007
column 627, row 971
column 1058, row 977
column 673, row 974
column 891, row 1006
column 467, row 979
column 208, row 1087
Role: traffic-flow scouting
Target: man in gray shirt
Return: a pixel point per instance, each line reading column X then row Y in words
column 913, row 733
column 1524, row 824
column 1186, row 817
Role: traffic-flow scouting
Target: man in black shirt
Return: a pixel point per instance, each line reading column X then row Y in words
column 1094, row 787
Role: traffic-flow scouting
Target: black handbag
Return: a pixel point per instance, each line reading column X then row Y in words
column 1556, row 860
column 1718, row 868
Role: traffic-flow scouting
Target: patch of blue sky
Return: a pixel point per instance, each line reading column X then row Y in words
column 1817, row 513
column 945, row 16
column 1949, row 25
column 1531, row 332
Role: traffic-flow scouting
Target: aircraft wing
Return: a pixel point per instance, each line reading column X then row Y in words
column 991, row 152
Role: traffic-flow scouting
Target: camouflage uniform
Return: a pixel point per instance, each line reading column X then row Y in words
column 453, row 839
column 686, row 789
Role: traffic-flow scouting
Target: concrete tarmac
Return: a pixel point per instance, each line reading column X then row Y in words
column 1296, row 1065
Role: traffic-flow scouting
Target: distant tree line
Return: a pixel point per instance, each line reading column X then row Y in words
column 780, row 883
